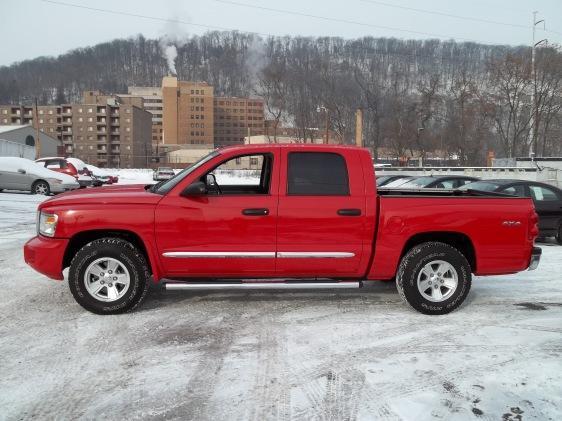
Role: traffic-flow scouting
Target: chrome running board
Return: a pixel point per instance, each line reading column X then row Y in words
column 176, row 286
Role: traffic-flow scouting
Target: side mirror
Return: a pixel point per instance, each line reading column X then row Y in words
column 211, row 180
column 22, row 171
column 197, row 188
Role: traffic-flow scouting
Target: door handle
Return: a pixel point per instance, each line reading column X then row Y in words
column 349, row 212
column 255, row 212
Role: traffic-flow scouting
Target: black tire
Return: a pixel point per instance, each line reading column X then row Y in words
column 559, row 236
column 41, row 185
column 127, row 255
column 413, row 263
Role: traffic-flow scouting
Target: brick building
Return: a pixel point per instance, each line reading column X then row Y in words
column 187, row 112
column 193, row 115
column 152, row 97
column 104, row 130
column 236, row 118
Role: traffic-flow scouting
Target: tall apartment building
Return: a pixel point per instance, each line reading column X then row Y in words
column 237, row 118
column 187, row 112
column 152, row 97
column 50, row 118
column 103, row 130
column 108, row 130
column 192, row 115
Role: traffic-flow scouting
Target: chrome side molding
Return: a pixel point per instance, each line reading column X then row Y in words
column 259, row 254
column 314, row 254
column 220, row 254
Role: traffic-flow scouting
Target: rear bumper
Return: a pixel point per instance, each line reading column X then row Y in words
column 61, row 188
column 85, row 183
column 45, row 255
column 535, row 258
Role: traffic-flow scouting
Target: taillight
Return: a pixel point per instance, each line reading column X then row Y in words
column 533, row 226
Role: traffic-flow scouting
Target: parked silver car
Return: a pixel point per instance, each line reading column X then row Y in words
column 23, row 174
column 163, row 173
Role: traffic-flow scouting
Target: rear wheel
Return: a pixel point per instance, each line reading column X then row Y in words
column 434, row 278
column 108, row 276
column 41, row 187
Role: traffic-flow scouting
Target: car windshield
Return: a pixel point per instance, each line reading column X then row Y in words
column 419, row 182
column 382, row 179
column 397, row 182
column 480, row 185
column 165, row 186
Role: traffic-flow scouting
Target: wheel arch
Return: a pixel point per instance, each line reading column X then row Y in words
column 458, row 240
column 82, row 238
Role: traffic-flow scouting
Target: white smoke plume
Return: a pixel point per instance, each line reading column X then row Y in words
column 173, row 35
column 171, row 52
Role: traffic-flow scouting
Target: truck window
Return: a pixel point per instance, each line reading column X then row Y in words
column 247, row 174
column 317, row 174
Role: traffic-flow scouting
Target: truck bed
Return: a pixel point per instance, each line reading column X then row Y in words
column 382, row 191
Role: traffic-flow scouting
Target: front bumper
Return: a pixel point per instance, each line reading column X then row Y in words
column 46, row 255
column 535, row 258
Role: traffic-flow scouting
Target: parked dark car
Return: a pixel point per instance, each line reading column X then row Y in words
column 547, row 200
column 397, row 181
column 438, row 182
column 383, row 180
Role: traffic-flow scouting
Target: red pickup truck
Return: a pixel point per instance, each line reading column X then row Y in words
column 310, row 217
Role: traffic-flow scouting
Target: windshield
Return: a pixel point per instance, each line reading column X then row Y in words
column 382, row 179
column 419, row 182
column 397, row 182
column 480, row 185
column 165, row 186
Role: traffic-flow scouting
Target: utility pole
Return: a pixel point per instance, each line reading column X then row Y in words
column 327, row 125
column 534, row 109
column 359, row 127
column 326, row 111
column 38, row 133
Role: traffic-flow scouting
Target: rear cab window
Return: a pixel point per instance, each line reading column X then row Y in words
column 317, row 174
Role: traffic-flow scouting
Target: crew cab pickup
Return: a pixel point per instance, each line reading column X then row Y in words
column 279, row 216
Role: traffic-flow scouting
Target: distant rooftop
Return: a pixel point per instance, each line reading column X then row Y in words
column 4, row 129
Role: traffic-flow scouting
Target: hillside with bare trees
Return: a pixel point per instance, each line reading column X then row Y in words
column 461, row 99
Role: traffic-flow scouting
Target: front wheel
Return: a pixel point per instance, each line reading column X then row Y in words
column 108, row 276
column 434, row 278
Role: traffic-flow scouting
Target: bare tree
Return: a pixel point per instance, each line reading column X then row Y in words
column 510, row 77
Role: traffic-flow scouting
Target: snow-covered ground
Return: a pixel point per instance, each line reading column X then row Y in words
column 354, row 354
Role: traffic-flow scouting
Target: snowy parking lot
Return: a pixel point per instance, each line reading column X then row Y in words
column 347, row 354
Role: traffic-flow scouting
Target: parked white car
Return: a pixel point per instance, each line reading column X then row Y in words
column 24, row 174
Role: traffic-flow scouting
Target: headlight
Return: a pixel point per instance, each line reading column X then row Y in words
column 47, row 224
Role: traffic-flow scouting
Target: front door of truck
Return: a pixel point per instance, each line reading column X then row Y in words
column 229, row 232
column 321, row 227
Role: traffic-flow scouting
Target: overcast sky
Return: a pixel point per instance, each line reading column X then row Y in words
column 32, row 28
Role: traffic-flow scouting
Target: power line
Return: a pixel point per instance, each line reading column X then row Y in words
column 347, row 21
column 451, row 15
column 155, row 18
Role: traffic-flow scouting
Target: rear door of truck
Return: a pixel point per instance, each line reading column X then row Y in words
column 321, row 213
